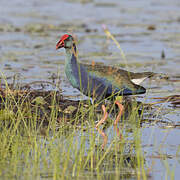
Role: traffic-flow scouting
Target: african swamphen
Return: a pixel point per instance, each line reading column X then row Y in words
column 99, row 82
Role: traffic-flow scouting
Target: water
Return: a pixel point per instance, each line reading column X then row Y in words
column 29, row 31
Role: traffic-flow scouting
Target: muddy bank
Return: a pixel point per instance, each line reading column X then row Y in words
column 44, row 102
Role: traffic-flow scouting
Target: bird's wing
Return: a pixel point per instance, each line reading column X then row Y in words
column 120, row 72
column 118, row 81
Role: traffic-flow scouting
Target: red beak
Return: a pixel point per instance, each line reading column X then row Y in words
column 60, row 44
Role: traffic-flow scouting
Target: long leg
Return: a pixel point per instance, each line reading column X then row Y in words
column 121, row 110
column 101, row 132
column 105, row 116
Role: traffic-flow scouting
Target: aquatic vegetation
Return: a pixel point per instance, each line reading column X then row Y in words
column 45, row 136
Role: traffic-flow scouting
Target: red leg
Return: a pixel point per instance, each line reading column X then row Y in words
column 101, row 132
column 105, row 116
column 121, row 109
column 105, row 138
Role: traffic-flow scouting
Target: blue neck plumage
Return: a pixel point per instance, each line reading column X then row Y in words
column 79, row 77
column 72, row 67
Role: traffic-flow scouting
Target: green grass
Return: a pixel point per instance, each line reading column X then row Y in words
column 61, row 149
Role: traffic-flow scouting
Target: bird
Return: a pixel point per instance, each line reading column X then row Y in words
column 99, row 82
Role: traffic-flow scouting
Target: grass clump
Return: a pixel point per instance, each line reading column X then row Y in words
column 39, row 139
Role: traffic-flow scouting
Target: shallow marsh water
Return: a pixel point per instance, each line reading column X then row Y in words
column 29, row 31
